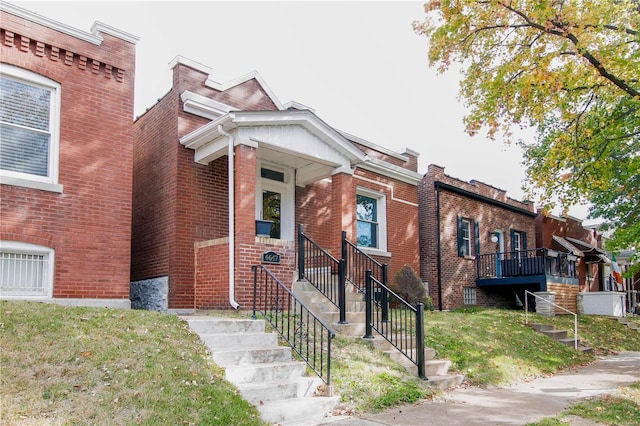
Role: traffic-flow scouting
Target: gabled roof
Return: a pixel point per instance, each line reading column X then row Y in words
column 567, row 245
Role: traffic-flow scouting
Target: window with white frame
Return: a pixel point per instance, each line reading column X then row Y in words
column 26, row 270
column 469, row 295
column 371, row 219
column 29, row 127
column 464, row 237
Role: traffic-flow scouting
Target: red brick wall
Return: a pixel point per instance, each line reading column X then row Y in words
column 547, row 226
column 459, row 272
column 327, row 208
column 178, row 202
column 89, row 224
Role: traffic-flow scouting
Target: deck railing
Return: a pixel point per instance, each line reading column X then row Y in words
column 540, row 261
column 307, row 334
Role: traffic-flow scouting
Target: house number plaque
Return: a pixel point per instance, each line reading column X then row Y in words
column 271, row 257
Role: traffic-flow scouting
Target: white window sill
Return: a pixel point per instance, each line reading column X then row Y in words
column 33, row 184
column 374, row 252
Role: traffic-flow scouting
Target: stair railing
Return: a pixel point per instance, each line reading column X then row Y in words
column 308, row 335
column 323, row 271
column 575, row 316
column 357, row 263
column 404, row 325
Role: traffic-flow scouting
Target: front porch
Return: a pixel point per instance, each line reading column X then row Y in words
column 536, row 266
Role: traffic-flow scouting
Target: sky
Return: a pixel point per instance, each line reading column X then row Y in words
column 359, row 65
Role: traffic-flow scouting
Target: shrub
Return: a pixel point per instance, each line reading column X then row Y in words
column 411, row 288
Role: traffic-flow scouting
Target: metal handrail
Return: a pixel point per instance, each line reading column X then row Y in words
column 321, row 269
column 575, row 316
column 308, row 335
column 399, row 320
column 358, row 262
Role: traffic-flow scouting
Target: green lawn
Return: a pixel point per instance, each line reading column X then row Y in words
column 63, row 365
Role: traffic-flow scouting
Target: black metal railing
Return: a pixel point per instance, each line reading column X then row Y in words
column 323, row 271
column 358, row 263
column 403, row 325
column 540, row 261
column 307, row 334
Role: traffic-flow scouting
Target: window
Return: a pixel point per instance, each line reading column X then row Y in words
column 469, row 295
column 464, row 248
column 29, row 127
column 25, row 270
column 371, row 219
column 465, row 236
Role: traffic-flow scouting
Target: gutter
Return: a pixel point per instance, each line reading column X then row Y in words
column 232, row 216
column 439, row 255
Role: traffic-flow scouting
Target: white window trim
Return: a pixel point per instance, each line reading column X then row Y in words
column 287, row 189
column 381, row 250
column 50, row 182
column 48, row 275
column 467, row 241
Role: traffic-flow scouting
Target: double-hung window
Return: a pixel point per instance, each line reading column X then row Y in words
column 468, row 237
column 371, row 219
column 29, row 129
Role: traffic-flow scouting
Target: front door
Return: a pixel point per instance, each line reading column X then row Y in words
column 276, row 200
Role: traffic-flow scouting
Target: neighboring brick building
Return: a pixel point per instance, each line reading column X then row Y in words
column 287, row 165
column 457, row 223
column 566, row 234
column 66, row 163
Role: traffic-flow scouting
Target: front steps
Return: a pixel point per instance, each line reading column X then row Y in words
column 626, row 321
column 265, row 374
column 435, row 370
column 560, row 336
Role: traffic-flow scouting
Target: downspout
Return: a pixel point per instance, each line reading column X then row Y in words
column 439, row 255
column 232, row 217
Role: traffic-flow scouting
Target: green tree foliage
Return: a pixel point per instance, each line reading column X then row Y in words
column 570, row 69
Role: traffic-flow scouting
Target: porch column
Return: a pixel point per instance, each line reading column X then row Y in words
column 343, row 210
column 245, row 222
column 245, row 198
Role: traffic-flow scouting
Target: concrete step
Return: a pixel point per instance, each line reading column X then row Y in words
column 555, row 334
column 569, row 341
column 227, row 357
column 333, row 316
column 264, row 372
column 541, row 327
column 585, row 349
column 351, row 329
column 259, row 392
column 248, row 373
column 219, row 341
column 445, row 381
column 208, row 324
column 299, row 412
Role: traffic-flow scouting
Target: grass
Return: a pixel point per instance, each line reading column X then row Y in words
column 63, row 365
column 71, row 366
column 620, row 408
column 495, row 347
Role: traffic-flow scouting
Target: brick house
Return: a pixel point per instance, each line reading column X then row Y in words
column 66, row 161
column 459, row 223
column 209, row 152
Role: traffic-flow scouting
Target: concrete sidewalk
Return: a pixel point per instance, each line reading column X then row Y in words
column 516, row 404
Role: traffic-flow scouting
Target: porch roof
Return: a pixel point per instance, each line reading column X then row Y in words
column 292, row 138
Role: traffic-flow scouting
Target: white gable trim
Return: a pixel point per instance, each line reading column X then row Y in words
column 203, row 106
column 94, row 37
column 209, row 82
column 178, row 59
column 391, row 171
column 374, row 146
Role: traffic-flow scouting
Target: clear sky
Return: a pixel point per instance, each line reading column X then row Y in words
column 358, row 64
